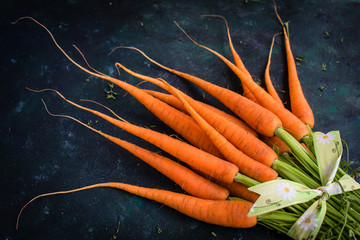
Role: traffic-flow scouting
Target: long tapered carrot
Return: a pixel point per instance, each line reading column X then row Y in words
column 173, row 101
column 238, row 137
column 194, row 157
column 259, row 118
column 276, row 143
column 247, row 165
column 288, row 119
column 269, row 86
column 238, row 62
column 188, row 180
column 219, row 212
column 299, row 105
column 178, row 121
column 237, row 189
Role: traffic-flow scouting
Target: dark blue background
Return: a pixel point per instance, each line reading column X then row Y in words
column 40, row 153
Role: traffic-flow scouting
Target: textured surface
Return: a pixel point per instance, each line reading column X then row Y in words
column 40, row 153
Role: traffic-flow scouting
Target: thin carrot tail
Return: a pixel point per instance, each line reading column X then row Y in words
column 57, row 193
column 268, row 82
column 238, row 62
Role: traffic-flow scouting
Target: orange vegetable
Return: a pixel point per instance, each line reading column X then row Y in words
column 194, row 157
column 247, row 165
column 269, row 86
column 188, row 180
column 299, row 106
column 297, row 128
column 178, row 121
column 260, row 119
column 219, row 212
column 241, row 139
column 173, row 101
column 247, row 93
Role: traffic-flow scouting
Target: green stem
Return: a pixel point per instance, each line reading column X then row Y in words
column 294, row 174
column 303, row 156
column 249, row 182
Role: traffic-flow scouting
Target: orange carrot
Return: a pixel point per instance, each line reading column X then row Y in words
column 246, row 165
column 237, row 189
column 241, row 139
column 259, row 118
column 269, row 86
column 237, row 59
column 219, row 212
column 188, row 180
column 173, row 101
column 288, row 119
column 194, row 157
column 299, row 106
column 178, row 121
column 276, row 143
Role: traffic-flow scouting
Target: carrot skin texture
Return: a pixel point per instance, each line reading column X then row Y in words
column 197, row 158
column 186, row 127
column 246, row 165
column 288, row 119
column 173, row 101
column 237, row 189
column 242, row 140
column 218, row 212
column 299, row 105
column 275, row 142
column 259, row 118
column 269, row 86
column 222, row 212
column 189, row 181
column 238, row 62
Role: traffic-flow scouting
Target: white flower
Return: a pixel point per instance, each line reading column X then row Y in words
column 286, row 191
column 308, row 221
column 252, row 209
column 325, row 138
column 329, row 168
column 334, row 189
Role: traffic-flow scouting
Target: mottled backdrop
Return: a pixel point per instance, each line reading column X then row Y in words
column 40, row 153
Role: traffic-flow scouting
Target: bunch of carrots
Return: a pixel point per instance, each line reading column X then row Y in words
column 223, row 155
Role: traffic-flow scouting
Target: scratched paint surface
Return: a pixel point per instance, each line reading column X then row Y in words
column 40, row 153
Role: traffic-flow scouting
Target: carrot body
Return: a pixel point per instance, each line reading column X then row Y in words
column 174, row 102
column 261, row 120
column 241, row 139
column 275, row 142
column 201, row 160
column 238, row 62
column 219, row 212
column 188, row 180
column 178, row 121
column 237, row 189
column 299, row 106
column 247, row 165
column 269, row 86
column 289, row 120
